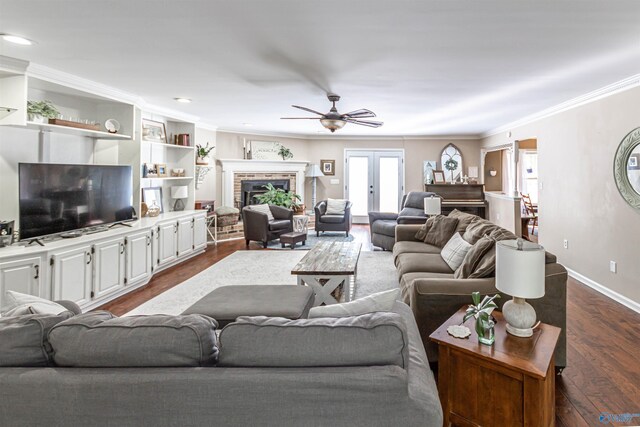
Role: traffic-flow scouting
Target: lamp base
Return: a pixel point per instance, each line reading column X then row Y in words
column 178, row 205
column 520, row 317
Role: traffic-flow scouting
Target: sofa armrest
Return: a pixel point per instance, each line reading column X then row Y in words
column 382, row 216
column 408, row 219
column 255, row 224
column 320, row 208
column 70, row 305
column 407, row 233
column 280, row 212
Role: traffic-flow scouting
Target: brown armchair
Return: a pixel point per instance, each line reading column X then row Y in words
column 257, row 226
column 326, row 222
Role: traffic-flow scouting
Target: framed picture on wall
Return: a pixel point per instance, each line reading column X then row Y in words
column 328, row 167
column 153, row 131
column 438, row 177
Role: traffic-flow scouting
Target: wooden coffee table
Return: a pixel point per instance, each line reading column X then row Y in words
column 327, row 267
column 511, row 383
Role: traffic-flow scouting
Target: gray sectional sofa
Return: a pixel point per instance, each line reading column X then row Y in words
column 174, row 371
column 429, row 287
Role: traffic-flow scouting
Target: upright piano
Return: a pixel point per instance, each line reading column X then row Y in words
column 464, row 197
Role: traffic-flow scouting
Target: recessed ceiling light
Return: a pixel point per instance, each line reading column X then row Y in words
column 16, row 39
column 183, row 100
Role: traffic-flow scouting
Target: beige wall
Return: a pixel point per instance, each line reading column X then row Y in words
column 579, row 200
column 505, row 212
column 229, row 146
column 493, row 160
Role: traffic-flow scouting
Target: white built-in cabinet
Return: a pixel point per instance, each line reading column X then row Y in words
column 109, row 267
column 185, row 236
column 199, row 232
column 72, row 274
column 139, row 257
column 21, row 275
column 166, row 248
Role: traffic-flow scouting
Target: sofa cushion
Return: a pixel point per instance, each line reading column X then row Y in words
column 386, row 227
column 17, row 304
column 473, row 257
column 464, row 219
column 336, row 206
column 262, row 208
column 24, row 341
column 454, row 251
column 412, row 263
column 477, row 229
column 406, row 281
column 332, row 219
column 440, row 230
column 100, row 339
column 279, row 224
column 373, row 339
column 404, row 247
column 380, row 301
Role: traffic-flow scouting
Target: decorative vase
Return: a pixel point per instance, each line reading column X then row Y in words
column 36, row 118
column 154, row 210
column 485, row 330
column 202, row 161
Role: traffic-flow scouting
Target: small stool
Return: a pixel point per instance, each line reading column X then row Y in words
column 227, row 303
column 292, row 238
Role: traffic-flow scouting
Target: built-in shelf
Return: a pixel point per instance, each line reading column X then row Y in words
column 5, row 111
column 98, row 134
column 170, row 177
column 187, row 147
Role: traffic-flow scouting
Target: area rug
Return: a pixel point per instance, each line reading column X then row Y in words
column 376, row 273
column 312, row 239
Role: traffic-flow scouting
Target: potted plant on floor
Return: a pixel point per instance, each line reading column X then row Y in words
column 279, row 197
column 202, row 154
column 39, row 111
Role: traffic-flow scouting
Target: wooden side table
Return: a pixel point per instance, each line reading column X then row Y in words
column 511, row 383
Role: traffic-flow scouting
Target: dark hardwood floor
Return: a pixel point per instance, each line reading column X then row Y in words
column 603, row 351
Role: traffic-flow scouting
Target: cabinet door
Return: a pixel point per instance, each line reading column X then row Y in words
column 199, row 232
column 109, row 267
column 185, row 236
column 167, row 237
column 139, row 257
column 20, row 276
column 71, row 275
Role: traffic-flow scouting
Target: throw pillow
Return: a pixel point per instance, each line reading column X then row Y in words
column 454, row 251
column 264, row 208
column 464, row 219
column 335, row 206
column 487, row 264
column 422, row 233
column 473, row 257
column 381, row 301
column 477, row 229
column 17, row 304
column 441, row 230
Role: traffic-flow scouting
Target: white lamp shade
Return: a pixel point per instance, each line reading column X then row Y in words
column 520, row 273
column 179, row 192
column 432, row 205
column 313, row 171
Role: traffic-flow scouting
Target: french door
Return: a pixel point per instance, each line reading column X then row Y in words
column 374, row 181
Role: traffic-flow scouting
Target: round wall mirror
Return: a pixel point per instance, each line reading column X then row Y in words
column 451, row 152
column 626, row 168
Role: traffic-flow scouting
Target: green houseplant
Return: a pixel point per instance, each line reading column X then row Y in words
column 40, row 110
column 202, row 154
column 279, row 197
column 285, row 153
column 481, row 310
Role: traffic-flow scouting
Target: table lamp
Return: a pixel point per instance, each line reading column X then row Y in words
column 313, row 171
column 432, row 205
column 179, row 192
column 520, row 273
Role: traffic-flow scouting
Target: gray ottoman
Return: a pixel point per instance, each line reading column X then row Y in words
column 227, row 303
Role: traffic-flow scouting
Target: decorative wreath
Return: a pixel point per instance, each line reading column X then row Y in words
column 451, row 165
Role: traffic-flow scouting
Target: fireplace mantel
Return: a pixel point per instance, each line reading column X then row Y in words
column 232, row 166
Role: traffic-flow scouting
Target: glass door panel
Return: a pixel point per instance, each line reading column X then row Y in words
column 389, row 188
column 358, row 184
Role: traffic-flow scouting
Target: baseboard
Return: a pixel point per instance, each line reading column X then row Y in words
column 627, row 302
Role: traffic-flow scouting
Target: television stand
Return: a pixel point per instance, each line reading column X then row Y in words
column 38, row 241
column 124, row 224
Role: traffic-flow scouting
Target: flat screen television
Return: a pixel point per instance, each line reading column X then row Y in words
column 58, row 198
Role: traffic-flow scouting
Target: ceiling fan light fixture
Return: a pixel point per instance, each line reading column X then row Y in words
column 333, row 124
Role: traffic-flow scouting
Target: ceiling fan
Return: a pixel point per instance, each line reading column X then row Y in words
column 334, row 120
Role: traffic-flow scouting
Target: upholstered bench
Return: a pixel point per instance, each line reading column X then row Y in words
column 227, row 303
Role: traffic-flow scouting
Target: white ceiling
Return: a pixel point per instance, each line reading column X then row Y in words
column 425, row 67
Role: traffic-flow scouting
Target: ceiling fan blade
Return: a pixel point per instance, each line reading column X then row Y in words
column 362, row 113
column 300, row 118
column 308, row 109
column 370, row 123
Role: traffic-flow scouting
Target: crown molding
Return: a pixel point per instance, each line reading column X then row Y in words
column 13, row 65
column 206, row 126
column 606, row 91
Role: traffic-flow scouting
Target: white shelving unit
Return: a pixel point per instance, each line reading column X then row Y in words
column 98, row 134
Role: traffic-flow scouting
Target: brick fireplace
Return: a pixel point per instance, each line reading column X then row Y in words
column 247, row 185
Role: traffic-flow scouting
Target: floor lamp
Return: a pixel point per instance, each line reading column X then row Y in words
column 313, row 172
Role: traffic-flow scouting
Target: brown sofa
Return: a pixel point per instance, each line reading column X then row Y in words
column 428, row 286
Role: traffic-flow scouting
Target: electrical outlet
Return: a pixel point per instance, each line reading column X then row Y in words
column 613, row 267
column 540, row 185
column 335, row 181
column 498, row 216
column 565, row 244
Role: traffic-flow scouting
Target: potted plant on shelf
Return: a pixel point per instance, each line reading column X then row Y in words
column 38, row 111
column 280, row 197
column 482, row 310
column 202, row 154
column 285, row 153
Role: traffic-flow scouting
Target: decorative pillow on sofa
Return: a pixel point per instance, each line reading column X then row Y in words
column 422, row 233
column 487, row 264
column 100, row 339
column 336, row 206
column 473, row 257
column 381, row 301
column 454, row 251
column 440, row 231
column 17, row 304
column 373, row 339
column 23, row 339
column 464, row 219
column 263, row 208
column 477, row 229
